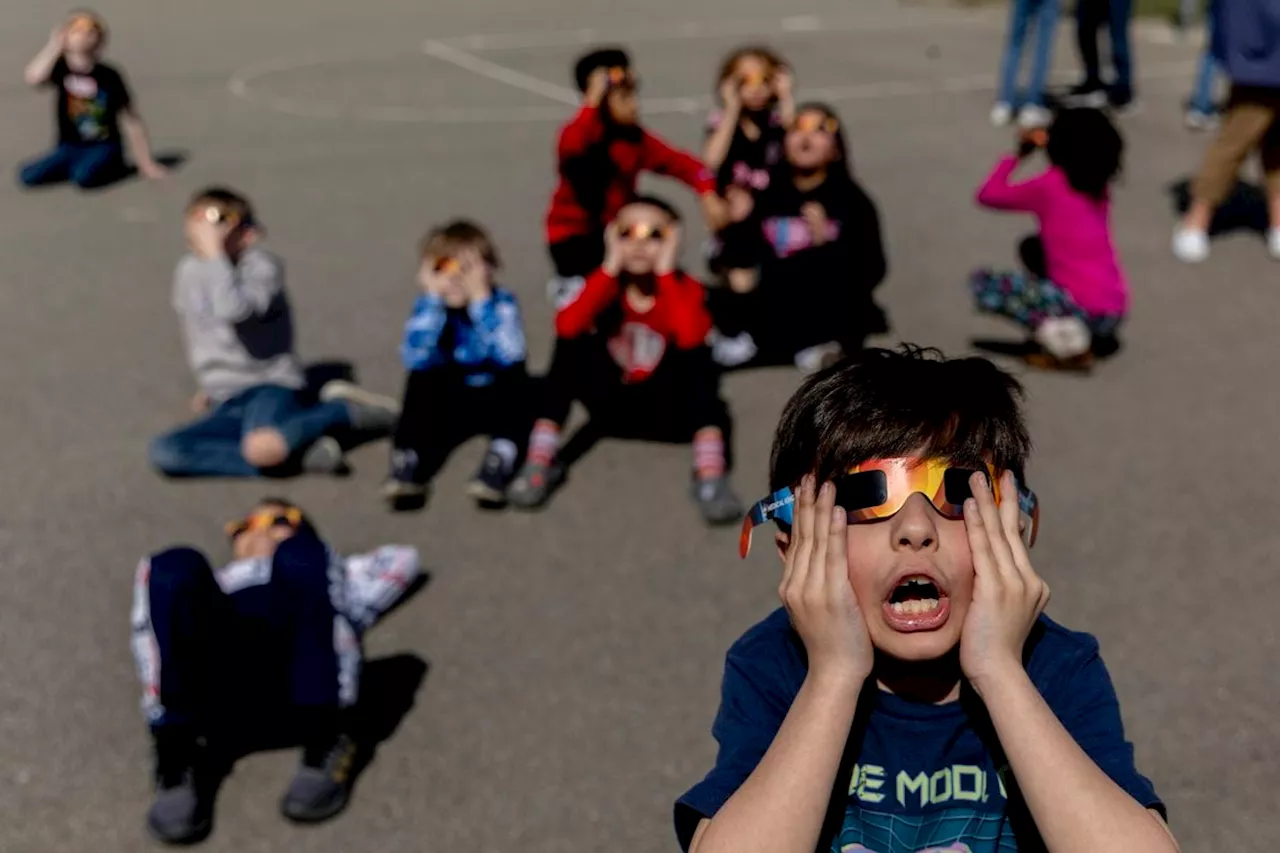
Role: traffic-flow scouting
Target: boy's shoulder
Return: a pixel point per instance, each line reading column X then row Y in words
column 1052, row 648
column 504, row 295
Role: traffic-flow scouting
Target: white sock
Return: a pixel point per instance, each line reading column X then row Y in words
column 506, row 450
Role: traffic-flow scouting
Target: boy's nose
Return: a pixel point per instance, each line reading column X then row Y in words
column 915, row 525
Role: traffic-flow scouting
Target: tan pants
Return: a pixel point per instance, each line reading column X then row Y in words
column 1250, row 122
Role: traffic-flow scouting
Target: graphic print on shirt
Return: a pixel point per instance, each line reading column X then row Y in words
column 86, row 107
column 791, row 234
column 637, row 349
column 957, row 809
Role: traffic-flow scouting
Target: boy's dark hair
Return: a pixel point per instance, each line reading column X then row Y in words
column 882, row 404
column 304, row 526
column 602, row 57
column 844, row 165
column 1088, row 148
column 445, row 241
column 227, row 200
column 661, row 204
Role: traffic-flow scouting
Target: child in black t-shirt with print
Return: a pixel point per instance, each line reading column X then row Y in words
column 912, row 696
column 819, row 254
column 94, row 111
column 744, row 142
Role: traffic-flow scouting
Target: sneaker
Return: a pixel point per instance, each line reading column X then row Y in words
column 1002, row 114
column 178, row 814
column 733, row 352
column 820, row 357
column 403, row 495
column 369, row 412
column 1034, row 117
column 1190, row 246
column 1273, row 243
column 1044, row 360
column 489, row 485
column 322, row 786
column 1199, row 121
column 534, row 484
column 324, row 456
column 716, row 501
column 1092, row 95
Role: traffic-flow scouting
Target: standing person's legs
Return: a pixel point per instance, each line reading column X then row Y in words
column 97, row 165
column 207, row 447
column 1271, row 167
column 1090, row 16
column 50, row 168
column 1250, row 115
column 1120, row 18
column 1046, row 20
column 1007, row 92
column 1201, row 102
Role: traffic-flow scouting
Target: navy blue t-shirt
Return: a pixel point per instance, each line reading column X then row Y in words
column 915, row 777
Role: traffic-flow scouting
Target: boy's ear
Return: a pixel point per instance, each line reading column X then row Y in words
column 783, row 541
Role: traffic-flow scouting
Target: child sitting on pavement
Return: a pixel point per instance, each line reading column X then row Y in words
column 464, row 348
column 94, row 110
column 269, row 641
column 631, row 347
column 601, row 153
column 911, row 696
column 1072, row 295
column 254, row 416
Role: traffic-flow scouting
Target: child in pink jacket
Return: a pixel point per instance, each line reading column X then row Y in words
column 1071, row 294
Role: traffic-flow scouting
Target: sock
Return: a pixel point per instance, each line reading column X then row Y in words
column 544, row 442
column 708, row 453
column 504, row 449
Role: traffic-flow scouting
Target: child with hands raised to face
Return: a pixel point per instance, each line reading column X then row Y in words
column 631, row 346
column 911, row 695
column 464, row 350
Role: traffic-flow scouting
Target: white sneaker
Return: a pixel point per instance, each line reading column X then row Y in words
column 1034, row 117
column 1190, row 246
column 733, row 352
column 1002, row 114
column 820, row 357
column 1273, row 243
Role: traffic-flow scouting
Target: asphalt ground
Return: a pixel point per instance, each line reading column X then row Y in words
column 574, row 656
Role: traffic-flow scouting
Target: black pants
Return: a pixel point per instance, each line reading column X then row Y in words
column 1092, row 16
column 679, row 398
column 440, row 411
column 578, row 255
column 737, row 246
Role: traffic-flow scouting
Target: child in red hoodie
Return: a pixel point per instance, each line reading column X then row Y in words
column 601, row 152
column 631, row 347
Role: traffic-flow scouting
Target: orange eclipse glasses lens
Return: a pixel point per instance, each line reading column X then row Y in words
column 817, row 121
column 264, row 519
column 642, row 231
column 445, row 265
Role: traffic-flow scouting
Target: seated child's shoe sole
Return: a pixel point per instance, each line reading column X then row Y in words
column 535, row 496
column 1041, row 360
column 404, row 497
column 486, row 495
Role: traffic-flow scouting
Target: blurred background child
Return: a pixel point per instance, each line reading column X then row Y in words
column 820, row 255
column 93, row 110
column 601, row 152
column 1072, row 295
column 744, row 142
column 464, row 348
column 631, row 347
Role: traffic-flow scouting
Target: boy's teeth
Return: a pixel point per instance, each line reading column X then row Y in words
column 915, row 606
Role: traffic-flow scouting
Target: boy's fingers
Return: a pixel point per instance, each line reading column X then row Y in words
column 993, row 526
column 821, row 527
column 979, row 542
column 804, row 510
column 837, row 563
column 1010, row 520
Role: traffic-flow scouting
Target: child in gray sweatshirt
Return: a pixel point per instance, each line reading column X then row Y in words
column 253, row 413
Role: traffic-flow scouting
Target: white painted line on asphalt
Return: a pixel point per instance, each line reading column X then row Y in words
column 499, row 73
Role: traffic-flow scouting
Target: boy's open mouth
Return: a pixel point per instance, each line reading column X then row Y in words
column 917, row 603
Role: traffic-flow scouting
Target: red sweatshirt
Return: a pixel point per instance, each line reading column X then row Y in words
column 598, row 178
column 678, row 316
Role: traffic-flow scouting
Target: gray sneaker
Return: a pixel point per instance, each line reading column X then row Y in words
column 322, row 786
column 369, row 412
column 534, row 484
column 716, row 501
column 179, row 814
column 324, row 456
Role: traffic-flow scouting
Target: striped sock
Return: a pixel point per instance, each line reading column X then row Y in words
column 544, row 442
column 708, row 453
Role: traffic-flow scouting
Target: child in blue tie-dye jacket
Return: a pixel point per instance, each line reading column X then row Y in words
column 464, row 348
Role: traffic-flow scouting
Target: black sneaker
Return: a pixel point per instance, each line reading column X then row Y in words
column 322, row 786
column 180, row 812
column 489, row 485
column 403, row 495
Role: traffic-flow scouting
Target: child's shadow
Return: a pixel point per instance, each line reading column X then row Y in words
column 1244, row 210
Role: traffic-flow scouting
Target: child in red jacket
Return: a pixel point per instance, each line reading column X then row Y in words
column 631, row 347
column 601, row 152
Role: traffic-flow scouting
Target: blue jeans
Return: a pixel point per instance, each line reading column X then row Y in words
column 267, row 637
column 1044, row 13
column 210, row 447
column 86, row 166
column 1202, row 95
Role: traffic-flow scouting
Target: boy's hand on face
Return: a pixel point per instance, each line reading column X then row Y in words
column 816, row 591
column 208, row 239
column 669, row 254
column 440, row 284
column 597, row 87
column 473, row 276
column 816, row 216
column 1008, row 595
column 612, row 265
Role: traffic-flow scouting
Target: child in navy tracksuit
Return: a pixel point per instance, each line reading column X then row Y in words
column 464, row 348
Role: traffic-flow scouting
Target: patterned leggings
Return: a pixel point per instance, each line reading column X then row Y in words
column 1029, row 301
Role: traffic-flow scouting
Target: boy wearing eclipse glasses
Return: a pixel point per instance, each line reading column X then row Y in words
column 464, row 350
column 267, row 642
column 911, row 695
column 631, row 347
column 253, row 414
